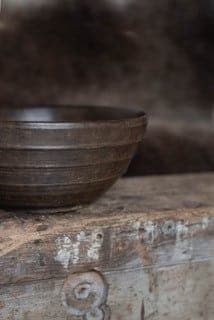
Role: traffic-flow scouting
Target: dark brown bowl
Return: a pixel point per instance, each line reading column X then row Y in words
column 64, row 156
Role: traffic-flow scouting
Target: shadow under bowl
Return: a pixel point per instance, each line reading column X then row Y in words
column 60, row 156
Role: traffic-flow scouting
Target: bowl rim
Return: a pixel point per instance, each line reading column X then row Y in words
column 134, row 114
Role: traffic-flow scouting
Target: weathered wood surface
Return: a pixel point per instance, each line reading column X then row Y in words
column 151, row 240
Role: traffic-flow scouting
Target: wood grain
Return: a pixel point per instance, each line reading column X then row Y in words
column 151, row 239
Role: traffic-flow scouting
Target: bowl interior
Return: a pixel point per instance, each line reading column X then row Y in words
column 66, row 114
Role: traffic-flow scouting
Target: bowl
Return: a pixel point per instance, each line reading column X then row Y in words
column 62, row 156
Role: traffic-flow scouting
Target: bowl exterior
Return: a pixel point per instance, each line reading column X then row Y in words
column 44, row 165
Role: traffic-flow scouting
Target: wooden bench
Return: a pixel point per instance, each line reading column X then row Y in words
column 145, row 250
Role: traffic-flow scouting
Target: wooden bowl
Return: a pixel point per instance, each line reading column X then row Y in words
column 64, row 156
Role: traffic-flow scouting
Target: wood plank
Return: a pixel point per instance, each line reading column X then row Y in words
column 151, row 240
column 181, row 292
column 141, row 221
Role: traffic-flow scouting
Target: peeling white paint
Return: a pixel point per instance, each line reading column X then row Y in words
column 95, row 245
column 174, row 229
column 205, row 223
column 151, row 231
column 81, row 236
column 169, row 228
column 181, row 230
column 183, row 248
column 179, row 237
column 87, row 246
column 135, row 234
column 66, row 251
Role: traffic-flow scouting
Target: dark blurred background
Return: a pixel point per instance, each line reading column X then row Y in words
column 158, row 55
